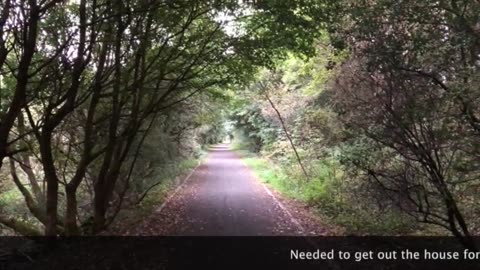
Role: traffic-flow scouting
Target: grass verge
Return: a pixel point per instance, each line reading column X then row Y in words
column 286, row 180
column 328, row 195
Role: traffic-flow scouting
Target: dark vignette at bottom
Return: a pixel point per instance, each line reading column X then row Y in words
column 217, row 252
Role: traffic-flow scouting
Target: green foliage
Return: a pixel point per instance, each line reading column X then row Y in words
column 252, row 128
column 380, row 99
column 329, row 193
column 294, row 25
column 312, row 75
column 302, row 90
column 407, row 100
column 12, row 202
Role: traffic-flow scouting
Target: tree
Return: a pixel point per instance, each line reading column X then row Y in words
column 92, row 79
column 265, row 89
column 407, row 97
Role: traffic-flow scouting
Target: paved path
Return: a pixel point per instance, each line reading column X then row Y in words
column 222, row 197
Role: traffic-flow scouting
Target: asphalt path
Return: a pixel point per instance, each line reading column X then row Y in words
column 222, row 197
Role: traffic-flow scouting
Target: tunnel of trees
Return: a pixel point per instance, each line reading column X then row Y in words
column 366, row 108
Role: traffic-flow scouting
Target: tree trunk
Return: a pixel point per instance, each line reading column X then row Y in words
column 19, row 226
column 99, row 211
column 26, row 166
column 456, row 217
column 18, row 100
column 37, row 210
column 52, row 203
column 299, row 160
column 52, row 183
column 71, row 227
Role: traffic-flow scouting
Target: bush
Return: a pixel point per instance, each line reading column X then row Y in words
column 331, row 195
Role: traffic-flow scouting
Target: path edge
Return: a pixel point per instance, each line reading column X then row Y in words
column 179, row 187
column 293, row 220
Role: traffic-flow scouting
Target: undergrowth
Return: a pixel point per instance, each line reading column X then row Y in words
column 329, row 194
column 168, row 180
